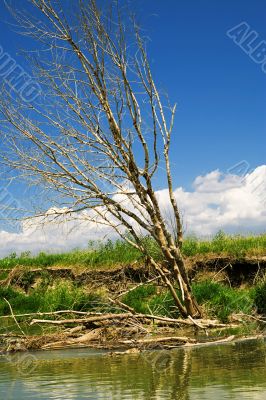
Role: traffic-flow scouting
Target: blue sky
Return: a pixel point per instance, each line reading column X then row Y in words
column 220, row 91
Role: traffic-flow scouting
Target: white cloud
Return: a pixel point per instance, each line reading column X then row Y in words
column 218, row 201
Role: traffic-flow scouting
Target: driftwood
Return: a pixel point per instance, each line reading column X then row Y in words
column 122, row 305
column 241, row 316
column 83, row 339
column 85, row 321
column 203, row 324
column 52, row 313
column 224, row 340
column 154, row 340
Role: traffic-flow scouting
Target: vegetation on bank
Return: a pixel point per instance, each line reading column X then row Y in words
column 218, row 300
column 46, row 297
column 110, row 253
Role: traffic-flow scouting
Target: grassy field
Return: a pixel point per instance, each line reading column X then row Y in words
column 119, row 252
column 236, row 245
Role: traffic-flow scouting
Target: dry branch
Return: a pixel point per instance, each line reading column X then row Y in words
column 86, row 321
column 165, row 339
column 137, row 286
column 113, row 318
column 224, row 340
column 122, row 305
column 86, row 338
column 13, row 316
column 53, row 313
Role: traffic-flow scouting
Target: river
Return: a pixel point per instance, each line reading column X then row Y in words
column 225, row 371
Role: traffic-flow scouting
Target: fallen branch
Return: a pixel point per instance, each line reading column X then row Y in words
column 203, row 324
column 195, row 322
column 14, row 318
column 222, row 269
column 82, row 320
column 247, row 316
column 140, row 284
column 122, row 305
column 87, row 337
column 227, row 339
column 154, row 340
column 53, row 313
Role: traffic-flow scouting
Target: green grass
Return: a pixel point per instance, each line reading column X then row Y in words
column 62, row 295
column 218, row 300
column 119, row 252
column 108, row 255
column 236, row 245
column 145, row 299
column 260, row 296
column 221, row 301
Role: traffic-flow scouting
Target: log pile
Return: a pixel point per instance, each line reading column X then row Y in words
column 107, row 331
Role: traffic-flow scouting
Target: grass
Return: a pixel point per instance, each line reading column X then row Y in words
column 119, row 252
column 260, row 296
column 145, row 299
column 62, row 295
column 217, row 300
column 220, row 301
column 108, row 255
column 232, row 245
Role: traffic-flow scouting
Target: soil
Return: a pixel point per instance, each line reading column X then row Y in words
column 245, row 271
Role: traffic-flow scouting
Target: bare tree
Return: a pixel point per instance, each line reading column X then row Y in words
column 100, row 130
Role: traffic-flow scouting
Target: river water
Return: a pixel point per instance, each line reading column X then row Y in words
column 225, row 371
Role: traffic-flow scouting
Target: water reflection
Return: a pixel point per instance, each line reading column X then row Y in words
column 229, row 371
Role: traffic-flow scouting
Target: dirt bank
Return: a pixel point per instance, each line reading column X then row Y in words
column 247, row 270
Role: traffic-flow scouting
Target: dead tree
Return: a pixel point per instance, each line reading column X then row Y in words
column 100, row 130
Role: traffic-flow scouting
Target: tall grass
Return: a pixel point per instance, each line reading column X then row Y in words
column 63, row 295
column 145, row 299
column 119, row 252
column 97, row 254
column 218, row 300
column 221, row 301
column 233, row 245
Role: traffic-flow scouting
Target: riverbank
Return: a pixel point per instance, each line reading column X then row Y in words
column 52, row 300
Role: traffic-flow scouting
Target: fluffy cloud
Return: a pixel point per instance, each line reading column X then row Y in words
column 218, row 201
